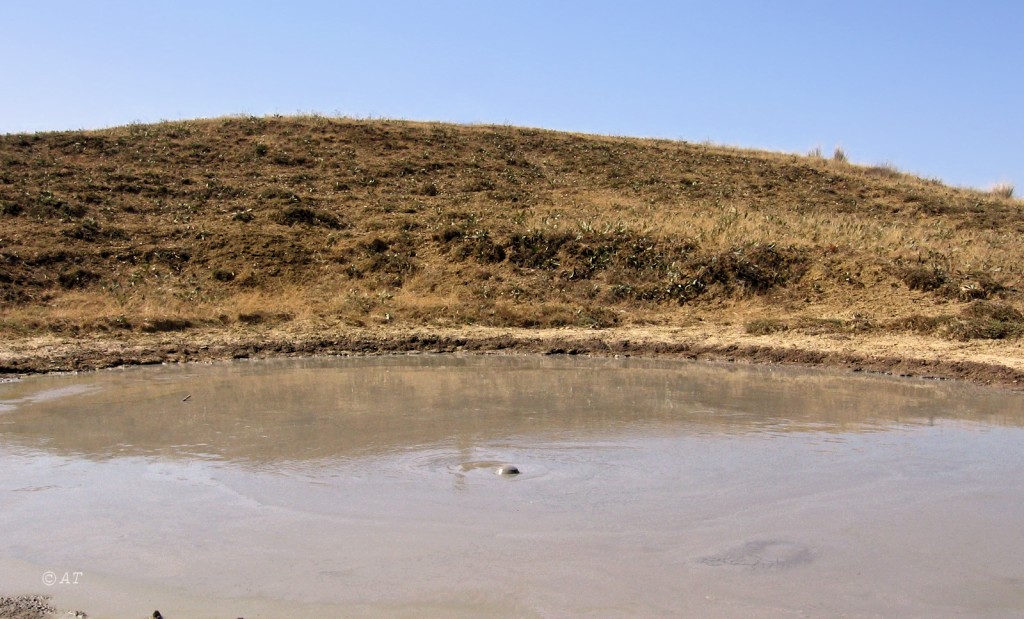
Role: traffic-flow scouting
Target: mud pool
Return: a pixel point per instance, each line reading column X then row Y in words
column 368, row 487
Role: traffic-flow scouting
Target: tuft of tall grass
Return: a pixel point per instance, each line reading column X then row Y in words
column 1003, row 190
column 886, row 169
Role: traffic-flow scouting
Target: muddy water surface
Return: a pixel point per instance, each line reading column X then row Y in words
column 367, row 487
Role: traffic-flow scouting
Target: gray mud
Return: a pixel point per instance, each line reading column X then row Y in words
column 366, row 487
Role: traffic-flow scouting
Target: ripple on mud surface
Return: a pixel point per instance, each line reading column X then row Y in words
column 480, row 464
column 772, row 554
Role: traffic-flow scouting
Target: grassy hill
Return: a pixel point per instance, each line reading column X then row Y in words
column 326, row 225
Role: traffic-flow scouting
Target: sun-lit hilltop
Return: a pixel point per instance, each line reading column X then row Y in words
column 239, row 223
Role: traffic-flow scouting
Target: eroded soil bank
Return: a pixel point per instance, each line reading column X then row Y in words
column 992, row 362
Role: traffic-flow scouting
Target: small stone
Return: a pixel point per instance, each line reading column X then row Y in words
column 507, row 469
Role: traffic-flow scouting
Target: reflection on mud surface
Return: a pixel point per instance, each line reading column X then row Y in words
column 303, row 410
column 367, row 487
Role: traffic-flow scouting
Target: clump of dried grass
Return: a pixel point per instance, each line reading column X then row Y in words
column 765, row 326
column 1002, row 190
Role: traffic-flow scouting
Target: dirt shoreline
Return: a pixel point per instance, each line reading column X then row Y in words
column 990, row 363
column 29, row 607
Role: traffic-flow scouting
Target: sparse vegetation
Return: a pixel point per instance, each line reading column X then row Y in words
column 885, row 169
column 766, row 326
column 978, row 320
column 292, row 215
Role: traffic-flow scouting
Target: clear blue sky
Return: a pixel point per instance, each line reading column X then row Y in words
column 934, row 87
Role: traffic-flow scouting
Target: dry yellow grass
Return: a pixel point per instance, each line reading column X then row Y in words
column 1003, row 190
column 264, row 221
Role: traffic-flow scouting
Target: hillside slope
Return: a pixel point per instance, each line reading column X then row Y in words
column 328, row 225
